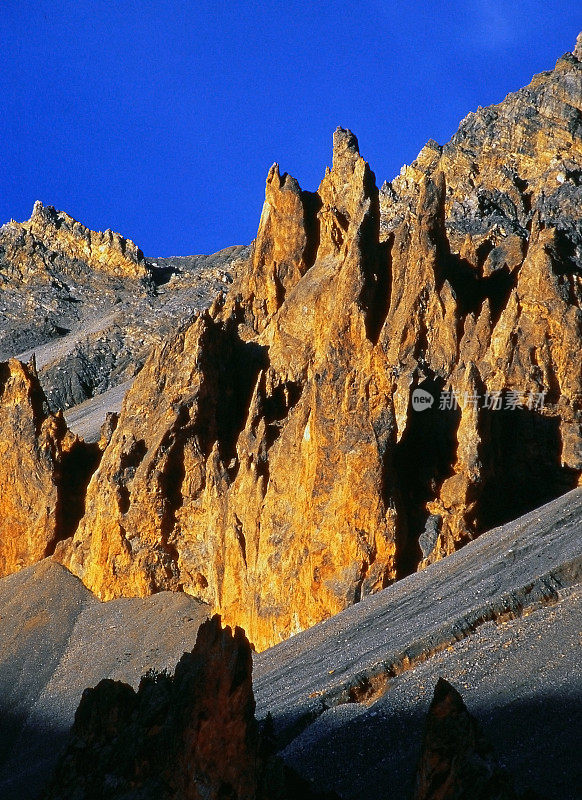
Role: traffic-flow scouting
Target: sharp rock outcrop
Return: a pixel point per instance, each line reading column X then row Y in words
column 255, row 445
column 456, row 760
column 189, row 736
column 192, row 735
column 44, row 470
column 270, row 458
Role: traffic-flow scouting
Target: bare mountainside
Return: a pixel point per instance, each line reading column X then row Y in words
column 89, row 306
column 392, row 373
column 272, row 458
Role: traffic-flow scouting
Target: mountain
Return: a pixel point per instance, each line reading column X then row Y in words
column 90, row 306
column 323, row 456
column 269, row 458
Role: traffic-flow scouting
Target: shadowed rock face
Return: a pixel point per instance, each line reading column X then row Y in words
column 456, row 761
column 44, row 471
column 189, row 736
column 192, row 736
column 268, row 458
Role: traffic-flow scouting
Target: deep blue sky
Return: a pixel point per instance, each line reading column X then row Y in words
column 160, row 119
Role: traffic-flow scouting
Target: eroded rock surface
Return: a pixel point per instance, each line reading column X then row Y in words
column 189, row 736
column 456, row 760
column 268, row 458
column 44, row 471
column 89, row 305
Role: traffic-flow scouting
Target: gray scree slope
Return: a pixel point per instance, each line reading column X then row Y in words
column 501, row 619
column 349, row 697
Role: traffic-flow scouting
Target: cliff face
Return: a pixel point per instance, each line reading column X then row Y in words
column 44, row 471
column 255, row 445
column 270, row 458
column 507, row 239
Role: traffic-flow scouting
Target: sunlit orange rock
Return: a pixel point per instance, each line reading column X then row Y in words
column 43, row 471
column 52, row 240
column 269, row 458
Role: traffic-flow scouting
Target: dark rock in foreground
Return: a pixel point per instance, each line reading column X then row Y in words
column 456, row 760
column 56, row 639
column 192, row 735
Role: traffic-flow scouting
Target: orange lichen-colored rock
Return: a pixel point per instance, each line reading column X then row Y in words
column 229, row 473
column 270, row 460
column 42, row 469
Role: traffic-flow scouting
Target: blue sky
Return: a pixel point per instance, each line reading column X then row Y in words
column 161, row 119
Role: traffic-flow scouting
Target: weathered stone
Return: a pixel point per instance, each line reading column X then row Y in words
column 268, row 458
column 189, row 736
column 247, row 478
column 456, row 761
column 44, row 470
column 25, row 248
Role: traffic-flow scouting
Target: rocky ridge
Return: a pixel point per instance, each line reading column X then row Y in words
column 89, row 305
column 269, row 459
column 51, row 245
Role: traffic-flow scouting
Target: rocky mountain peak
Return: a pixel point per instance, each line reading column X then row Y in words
column 578, row 48
column 390, row 375
column 287, row 437
column 52, row 245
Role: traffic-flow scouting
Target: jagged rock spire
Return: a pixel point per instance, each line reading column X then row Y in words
column 344, row 143
column 578, row 49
